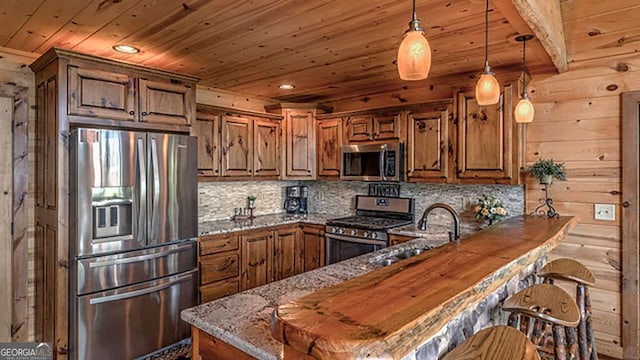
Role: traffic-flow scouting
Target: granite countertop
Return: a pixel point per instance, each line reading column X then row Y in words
column 243, row 319
column 263, row 221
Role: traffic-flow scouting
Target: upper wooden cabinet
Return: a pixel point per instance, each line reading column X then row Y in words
column 102, row 92
column 488, row 141
column 328, row 148
column 266, row 156
column 237, row 146
column 428, row 145
column 207, row 130
column 300, row 145
column 373, row 127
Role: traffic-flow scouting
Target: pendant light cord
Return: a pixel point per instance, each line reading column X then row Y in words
column 415, row 16
column 486, row 35
column 524, row 69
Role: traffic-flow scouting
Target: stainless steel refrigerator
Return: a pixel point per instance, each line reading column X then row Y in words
column 133, row 232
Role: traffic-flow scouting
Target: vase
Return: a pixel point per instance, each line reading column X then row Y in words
column 546, row 179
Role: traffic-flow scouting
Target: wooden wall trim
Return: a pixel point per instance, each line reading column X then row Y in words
column 432, row 105
column 219, row 109
column 19, row 270
column 630, row 242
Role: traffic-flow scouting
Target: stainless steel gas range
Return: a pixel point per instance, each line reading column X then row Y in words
column 366, row 231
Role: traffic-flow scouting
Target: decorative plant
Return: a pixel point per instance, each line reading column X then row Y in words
column 547, row 169
column 252, row 201
column 490, row 209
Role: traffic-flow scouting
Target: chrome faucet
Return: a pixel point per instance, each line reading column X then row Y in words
column 456, row 219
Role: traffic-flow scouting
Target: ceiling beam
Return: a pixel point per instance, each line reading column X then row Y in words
column 543, row 19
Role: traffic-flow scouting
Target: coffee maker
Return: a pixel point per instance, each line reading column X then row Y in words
column 296, row 200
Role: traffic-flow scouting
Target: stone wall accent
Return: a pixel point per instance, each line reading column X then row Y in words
column 218, row 199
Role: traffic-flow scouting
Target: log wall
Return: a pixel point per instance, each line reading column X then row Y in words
column 14, row 69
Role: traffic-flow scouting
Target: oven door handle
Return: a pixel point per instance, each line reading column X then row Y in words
column 383, row 168
column 356, row 240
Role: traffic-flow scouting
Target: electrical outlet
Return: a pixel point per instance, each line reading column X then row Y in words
column 605, row 212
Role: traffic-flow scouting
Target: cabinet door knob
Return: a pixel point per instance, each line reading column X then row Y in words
column 144, row 113
column 625, row 204
column 132, row 112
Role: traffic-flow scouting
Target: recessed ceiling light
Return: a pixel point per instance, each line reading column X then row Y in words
column 287, row 86
column 127, row 49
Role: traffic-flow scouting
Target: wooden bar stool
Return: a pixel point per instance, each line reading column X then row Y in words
column 573, row 271
column 552, row 306
column 495, row 343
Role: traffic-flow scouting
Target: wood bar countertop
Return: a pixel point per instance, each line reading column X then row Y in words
column 387, row 313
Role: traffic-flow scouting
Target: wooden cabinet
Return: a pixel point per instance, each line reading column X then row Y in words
column 300, row 145
column 166, row 103
column 329, row 134
column 287, row 251
column 373, row 127
column 207, row 130
column 487, row 139
column 257, row 259
column 102, row 94
column 266, row 148
column 398, row 239
column 237, row 146
column 112, row 93
column 428, row 145
column 219, row 264
column 313, row 246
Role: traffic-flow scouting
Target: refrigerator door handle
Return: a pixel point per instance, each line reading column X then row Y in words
column 142, row 186
column 173, row 280
column 156, row 188
column 136, row 258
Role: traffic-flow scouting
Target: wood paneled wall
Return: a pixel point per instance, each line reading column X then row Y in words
column 14, row 69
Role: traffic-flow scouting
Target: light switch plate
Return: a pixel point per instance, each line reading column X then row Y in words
column 605, row 212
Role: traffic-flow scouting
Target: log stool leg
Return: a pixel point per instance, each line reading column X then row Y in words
column 582, row 326
column 558, row 339
column 590, row 338
column 572, row 342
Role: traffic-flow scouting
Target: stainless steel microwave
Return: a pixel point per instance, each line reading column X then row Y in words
column 373, row 162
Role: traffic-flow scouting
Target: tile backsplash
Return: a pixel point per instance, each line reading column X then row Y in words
column 218, row 199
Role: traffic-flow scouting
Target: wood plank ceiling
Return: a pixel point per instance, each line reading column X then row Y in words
column 328, row 49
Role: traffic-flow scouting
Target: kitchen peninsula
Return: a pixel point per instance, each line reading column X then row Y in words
column 392, row 311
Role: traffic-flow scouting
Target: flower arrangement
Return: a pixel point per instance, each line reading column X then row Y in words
column 491, row 209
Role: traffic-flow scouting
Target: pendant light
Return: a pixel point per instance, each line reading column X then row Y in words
column 414, row 53
column 524, row 110
column 487, row 87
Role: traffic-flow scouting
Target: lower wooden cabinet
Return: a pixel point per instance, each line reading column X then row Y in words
column 219, row 264
column 257, row 259
column 242, row 260
column 313, row 247
column 286, row 253
column 398, row 239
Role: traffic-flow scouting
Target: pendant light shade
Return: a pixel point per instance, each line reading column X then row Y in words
column 487, row 87
column 414, row 53
column 524, row 110
column 487, row 90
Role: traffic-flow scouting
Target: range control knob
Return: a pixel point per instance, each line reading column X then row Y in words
column 365, row 234
column 353, row 232
column 334, row 230
column 374, row 235
column 341, row 231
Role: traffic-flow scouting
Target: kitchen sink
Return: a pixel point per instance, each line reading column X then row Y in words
column 405, row 254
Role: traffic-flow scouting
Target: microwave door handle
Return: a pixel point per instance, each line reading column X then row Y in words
column 142, row 186
column 383, row 155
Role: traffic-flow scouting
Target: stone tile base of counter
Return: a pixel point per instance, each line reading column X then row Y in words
column 486, row 313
